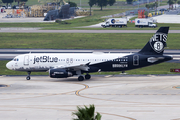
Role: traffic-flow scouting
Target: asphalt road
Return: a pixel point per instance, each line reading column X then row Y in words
column 26, row 30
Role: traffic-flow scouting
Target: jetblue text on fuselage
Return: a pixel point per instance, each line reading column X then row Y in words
column 45, row 59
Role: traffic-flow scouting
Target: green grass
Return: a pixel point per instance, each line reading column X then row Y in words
column 81, row 40
column 32, row 2
column 78, row 23
column 164, row 2
column 163, row 68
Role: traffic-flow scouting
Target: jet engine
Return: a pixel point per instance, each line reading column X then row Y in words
column 59, row 73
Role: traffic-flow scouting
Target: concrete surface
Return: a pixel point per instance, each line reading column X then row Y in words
column 83, row 31
column 116, row 98
column 20, row 20
column 26, row 19
column 167, row 18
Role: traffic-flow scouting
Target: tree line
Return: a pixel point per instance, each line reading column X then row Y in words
column 101, row 3
column 171, row 2
column 11, row 1
column 155, row 4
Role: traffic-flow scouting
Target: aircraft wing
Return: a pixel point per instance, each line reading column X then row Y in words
column 84, row 67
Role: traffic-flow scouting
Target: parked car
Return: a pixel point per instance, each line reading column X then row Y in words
column 15, row 7
column 163, row 10
column 5, row 7
column 26, row 7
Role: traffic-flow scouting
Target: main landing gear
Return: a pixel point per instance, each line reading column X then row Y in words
column 87, row 77
column 28, row 76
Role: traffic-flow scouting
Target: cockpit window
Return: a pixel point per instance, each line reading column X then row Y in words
column 15, row 59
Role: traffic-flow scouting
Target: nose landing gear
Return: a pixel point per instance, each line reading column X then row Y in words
column 28, row 76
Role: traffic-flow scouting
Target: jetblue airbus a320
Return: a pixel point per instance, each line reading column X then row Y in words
column 63, row 65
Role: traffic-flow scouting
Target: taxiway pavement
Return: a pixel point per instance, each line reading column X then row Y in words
column 26, row 30
column 116, row 98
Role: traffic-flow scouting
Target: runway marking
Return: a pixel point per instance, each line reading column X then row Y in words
column 176, row 119
column 140, row 111
column 118, row 116
column 36, row 94
column 58, row 109
column 108, row 76
column 8, row 110
column 43, row 94
column 142, row 103
column 77, row 92
column 127, row 94
column 176, row 87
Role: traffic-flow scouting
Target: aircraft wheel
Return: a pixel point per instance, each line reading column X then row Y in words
column 87, row 76
column 28, row 78
column 80, row 78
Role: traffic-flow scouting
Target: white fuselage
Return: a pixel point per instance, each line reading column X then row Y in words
column 46, row 61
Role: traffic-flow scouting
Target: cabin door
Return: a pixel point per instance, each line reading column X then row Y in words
column 26, row 60
column 136, row 60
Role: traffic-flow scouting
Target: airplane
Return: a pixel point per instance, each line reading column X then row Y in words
column 63, row 65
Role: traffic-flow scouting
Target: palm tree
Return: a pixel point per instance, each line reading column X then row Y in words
column 86, row 113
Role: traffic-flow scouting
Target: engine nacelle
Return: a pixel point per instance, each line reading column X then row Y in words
column 59, row 73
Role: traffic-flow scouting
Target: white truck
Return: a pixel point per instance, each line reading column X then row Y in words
column 144, row 22
column 115, row 22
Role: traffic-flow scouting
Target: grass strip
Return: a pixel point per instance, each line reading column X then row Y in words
column 74, row 26
column 82, row 40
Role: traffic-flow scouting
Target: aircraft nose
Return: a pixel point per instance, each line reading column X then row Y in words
column 8, row 65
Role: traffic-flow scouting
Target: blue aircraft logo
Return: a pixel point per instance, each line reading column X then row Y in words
column 113, row 21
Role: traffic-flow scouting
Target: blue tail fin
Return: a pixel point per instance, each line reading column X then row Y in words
column 157, row 43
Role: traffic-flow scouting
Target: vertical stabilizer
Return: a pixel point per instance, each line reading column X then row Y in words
column 157, row 43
